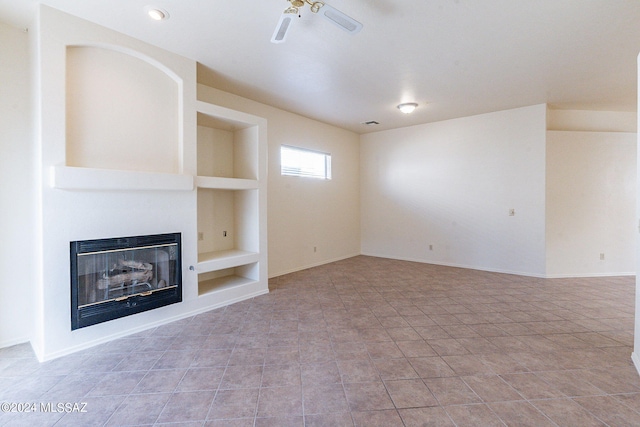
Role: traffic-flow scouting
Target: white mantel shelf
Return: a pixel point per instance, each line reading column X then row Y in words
column 85, row 179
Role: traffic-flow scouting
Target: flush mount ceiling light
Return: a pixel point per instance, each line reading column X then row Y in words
column 329, row 13
column 156, row 13
column 407, row 107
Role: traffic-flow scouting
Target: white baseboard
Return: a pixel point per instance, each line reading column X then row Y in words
column 454, row 265
column 579, row 275
column 494, row 270
column 305, row 267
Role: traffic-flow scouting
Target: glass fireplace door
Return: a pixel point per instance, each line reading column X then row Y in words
column 115, row 277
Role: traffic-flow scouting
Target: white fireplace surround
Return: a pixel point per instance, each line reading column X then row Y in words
column 118, row 152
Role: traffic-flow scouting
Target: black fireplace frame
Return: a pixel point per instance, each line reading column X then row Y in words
column 121, row 307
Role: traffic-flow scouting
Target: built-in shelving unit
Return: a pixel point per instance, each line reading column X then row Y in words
column 231, row 186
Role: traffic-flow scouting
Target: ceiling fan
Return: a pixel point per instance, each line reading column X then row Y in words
column 329, row 13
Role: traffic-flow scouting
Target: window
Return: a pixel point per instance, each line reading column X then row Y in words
column 302, row 162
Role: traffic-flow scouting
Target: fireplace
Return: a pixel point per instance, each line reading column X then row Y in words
column 117, row 277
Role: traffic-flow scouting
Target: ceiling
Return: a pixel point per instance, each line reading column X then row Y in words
column 454, row 58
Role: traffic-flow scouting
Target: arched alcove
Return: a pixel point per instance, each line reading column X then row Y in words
column 122, row 112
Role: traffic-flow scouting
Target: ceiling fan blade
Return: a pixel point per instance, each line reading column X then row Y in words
column 282, row 29
column 339, row 19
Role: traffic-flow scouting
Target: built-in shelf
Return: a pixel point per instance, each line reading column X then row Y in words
column 222, row 283
column 78, row 178
column 219, row 260
column 238, row 280
column 226, row 183
column 227, row 145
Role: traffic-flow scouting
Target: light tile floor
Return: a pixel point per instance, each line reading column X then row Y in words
column 367, row 342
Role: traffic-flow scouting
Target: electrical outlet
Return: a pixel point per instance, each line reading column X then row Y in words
column 430, row 247
column 315, row 249
column 602, row 256
column 200, row 235
column 512, row 212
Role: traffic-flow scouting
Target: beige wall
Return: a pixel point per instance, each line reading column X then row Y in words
column 591, row 184
column 591, row 120
column 303, row 213
column 17, row 206
column 590, row 203
column 109, row 94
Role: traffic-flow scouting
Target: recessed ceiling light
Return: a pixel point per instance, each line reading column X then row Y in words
column 157, row 14
column 407, row 107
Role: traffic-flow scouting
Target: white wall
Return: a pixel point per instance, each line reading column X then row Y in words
column 451, row 184
column 305, row 213
column 635, row 356
column 591, row 192
column 17, row 166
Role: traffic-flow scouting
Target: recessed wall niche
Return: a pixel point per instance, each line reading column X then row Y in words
column 122, row 112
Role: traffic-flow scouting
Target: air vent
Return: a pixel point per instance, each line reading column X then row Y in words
column 371, row 123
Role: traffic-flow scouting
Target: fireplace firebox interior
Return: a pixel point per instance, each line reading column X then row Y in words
column 117, row 277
